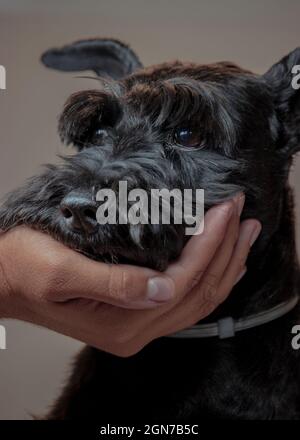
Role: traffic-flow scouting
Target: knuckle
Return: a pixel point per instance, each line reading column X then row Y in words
column 194, row 280
column 126, row 284
column 206, row 301
column 211, row 279
column 200, row 311
column 208, row 307
column 119, row 283
column 204, row 309
column 208, row 290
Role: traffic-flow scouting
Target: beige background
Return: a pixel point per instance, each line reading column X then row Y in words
column 253, row 33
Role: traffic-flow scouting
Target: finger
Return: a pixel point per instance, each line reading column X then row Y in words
column 199, row 251
column 120, row 285
column 61, row 274
column 188, row 269
column 249, row 232
column 217, row 266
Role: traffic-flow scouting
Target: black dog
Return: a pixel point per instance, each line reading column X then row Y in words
column 178, row 125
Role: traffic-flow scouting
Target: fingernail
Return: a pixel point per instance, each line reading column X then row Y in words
column 239, row 200
column 227, row 209
column 240, row 204
column 242, row 273
column 160, row 289
column 255, row 234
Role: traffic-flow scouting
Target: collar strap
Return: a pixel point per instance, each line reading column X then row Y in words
column 227, row 327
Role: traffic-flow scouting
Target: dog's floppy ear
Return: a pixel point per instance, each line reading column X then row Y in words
column 284, row 80
column 107, row 57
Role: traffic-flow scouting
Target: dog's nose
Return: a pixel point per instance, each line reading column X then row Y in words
column 79, row 212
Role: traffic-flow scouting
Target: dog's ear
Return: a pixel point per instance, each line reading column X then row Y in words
column 107, row 57
column 284, row 80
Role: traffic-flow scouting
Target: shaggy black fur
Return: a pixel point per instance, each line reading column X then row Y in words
column 249, row 129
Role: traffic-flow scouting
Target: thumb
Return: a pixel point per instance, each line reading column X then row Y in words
column 38, row 265
column 120, row 285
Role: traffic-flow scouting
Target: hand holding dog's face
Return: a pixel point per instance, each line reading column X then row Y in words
column 52, row 286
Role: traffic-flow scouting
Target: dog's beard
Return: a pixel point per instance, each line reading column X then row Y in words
column 142, row 244
column 114, row 244
column 37, row 204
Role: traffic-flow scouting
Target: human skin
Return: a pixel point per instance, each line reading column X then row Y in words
column 121, row 308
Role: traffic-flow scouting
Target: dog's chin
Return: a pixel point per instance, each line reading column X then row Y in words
column 117, row 256
column 97, row 248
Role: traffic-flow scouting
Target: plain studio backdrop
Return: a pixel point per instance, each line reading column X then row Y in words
column 254, row 34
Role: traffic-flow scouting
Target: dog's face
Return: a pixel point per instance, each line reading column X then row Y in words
column 176, row 125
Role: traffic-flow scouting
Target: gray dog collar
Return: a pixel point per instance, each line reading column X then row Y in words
column 227, row 327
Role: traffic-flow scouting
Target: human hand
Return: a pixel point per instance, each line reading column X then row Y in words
column 45, row 283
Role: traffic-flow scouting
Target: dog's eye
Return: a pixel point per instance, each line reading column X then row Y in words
column 188, row 137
